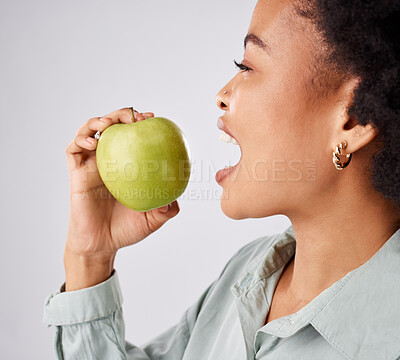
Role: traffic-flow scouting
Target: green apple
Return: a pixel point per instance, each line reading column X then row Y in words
column 145, row 164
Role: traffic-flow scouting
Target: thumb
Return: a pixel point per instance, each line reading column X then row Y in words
column 159, row 216
column 170, row 210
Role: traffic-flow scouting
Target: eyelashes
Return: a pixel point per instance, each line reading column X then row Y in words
column 241, row 67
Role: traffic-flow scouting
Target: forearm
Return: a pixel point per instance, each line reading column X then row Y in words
column 82, row 271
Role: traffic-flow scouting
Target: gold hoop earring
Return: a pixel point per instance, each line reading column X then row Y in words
column 338, row 151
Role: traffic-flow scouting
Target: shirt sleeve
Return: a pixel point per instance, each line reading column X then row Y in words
column 90, row 325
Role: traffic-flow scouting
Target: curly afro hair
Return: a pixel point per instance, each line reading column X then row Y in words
column 364, row 40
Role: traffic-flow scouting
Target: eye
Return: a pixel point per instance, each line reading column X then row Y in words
column 241, row 66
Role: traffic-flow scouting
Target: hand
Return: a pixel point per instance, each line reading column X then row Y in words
column 98, row 224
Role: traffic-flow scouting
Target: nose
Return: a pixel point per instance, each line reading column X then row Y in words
column 222, row 99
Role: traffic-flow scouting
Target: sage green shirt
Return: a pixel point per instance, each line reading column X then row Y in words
column 358, row 317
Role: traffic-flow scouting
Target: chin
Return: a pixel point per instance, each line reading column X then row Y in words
column 239, row 208
column 232, row 212
column 232, row 208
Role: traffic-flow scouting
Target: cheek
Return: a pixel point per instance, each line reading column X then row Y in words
column 267, row 106
column 285, row 154
column 272, row 128
column 287, row 146
column 276, row 119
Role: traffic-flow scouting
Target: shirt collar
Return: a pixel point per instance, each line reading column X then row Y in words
column 281, row 248
column 359, row 314
column 363, row 318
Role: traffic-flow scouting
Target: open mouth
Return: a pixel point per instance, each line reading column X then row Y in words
column 228, row 170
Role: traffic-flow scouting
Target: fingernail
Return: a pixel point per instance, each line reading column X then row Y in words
column 164, row 209
column 90, row 140
column 103, row 119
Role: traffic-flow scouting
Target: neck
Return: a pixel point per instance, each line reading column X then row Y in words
column 332, row 241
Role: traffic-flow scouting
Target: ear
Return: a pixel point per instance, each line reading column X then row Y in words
column 347, row 128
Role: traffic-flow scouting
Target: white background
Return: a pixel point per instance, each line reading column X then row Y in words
column 63, row 62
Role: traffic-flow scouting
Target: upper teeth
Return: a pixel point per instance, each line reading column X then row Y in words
column 227, row 138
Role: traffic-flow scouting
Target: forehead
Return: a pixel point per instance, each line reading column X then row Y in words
column 268, row 18
column 287, row 35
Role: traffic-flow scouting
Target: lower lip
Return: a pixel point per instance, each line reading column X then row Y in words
column 223, row 174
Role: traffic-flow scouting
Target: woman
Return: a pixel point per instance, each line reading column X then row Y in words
column 315, row 111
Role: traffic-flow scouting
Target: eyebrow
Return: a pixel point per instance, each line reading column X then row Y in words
column 254, row 39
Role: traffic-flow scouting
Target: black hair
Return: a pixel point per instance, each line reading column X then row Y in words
column 364, row 38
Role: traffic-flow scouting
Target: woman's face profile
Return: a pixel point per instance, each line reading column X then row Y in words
column 285, row 129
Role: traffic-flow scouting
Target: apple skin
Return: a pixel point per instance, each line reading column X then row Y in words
column 145, row 164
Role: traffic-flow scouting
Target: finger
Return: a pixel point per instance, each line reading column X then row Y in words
column 93, row 125
column 144, row 116
column 123, row 115
column 139, row 117
column 75, row 148
column 84, row 136
column 135, row 114
column 148, row 115
column 74, row 155
column 86, row 142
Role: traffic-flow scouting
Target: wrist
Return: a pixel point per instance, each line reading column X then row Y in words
column 86, row 271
